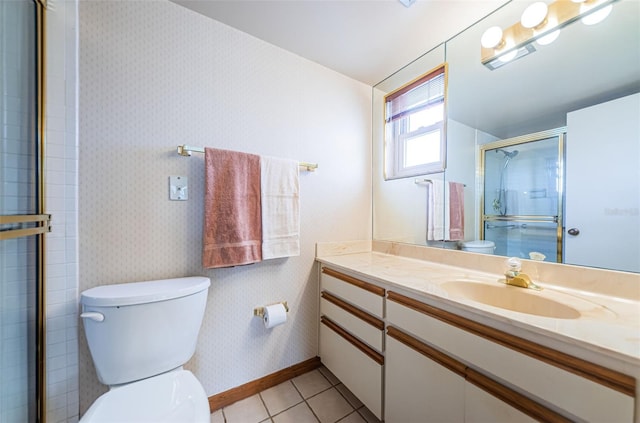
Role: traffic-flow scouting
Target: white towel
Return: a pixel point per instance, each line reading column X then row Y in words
column 280, row 207
column 436, row 211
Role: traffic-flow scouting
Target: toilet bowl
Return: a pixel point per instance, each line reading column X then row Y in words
column 175, row 397
column 478, row 246
column 140, row 334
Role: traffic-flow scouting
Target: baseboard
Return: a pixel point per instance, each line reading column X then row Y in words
column 225, row 398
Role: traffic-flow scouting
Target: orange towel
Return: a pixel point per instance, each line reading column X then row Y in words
column 232, row 232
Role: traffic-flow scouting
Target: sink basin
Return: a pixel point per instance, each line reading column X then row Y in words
column 511, row 298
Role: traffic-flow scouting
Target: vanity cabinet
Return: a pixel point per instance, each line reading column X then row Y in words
column 423, row 381
column 408, row 360
column 352, row 335
column 499, row 372
column 417, row 385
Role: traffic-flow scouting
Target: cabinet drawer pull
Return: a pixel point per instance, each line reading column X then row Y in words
column 503, row 393
column 514, row 399
column 362, row 315
column 370, row 352
column 353, row 281
column 428, row 351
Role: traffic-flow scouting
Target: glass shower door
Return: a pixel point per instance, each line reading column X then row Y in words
column 21, row 220
column 522, row 207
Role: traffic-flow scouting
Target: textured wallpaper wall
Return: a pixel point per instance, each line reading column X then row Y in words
column 154, row 75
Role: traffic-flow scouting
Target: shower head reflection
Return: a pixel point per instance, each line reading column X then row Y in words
column 508, row 154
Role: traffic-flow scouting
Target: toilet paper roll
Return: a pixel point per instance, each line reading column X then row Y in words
column 274, row 315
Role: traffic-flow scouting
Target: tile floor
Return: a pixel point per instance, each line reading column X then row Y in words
column 316, row 396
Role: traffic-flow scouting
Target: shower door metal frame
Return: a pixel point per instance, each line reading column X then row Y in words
column 510, row 142
column 39, row 223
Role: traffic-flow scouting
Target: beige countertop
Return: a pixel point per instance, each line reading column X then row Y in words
column 607, row 329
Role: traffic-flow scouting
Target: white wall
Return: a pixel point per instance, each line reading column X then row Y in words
column 461, row 149
column 154, row 75
column 400, row 210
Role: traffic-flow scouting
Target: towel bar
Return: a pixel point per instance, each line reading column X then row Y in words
column 186, row 150
column 428, row 181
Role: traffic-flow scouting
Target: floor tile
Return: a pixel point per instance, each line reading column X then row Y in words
column 311, row 383
column 330, row 406
column 249, row 410
column 301, row 413
column 314, row 397
column 280, row 397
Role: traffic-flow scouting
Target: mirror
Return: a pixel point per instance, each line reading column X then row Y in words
column 586, row 66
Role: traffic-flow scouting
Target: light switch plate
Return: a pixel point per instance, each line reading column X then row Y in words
column 178, row 188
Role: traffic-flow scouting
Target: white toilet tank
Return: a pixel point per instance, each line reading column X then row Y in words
column 141, row 329
column 478, row 246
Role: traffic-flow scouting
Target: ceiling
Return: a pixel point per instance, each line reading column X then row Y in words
column 366, row 40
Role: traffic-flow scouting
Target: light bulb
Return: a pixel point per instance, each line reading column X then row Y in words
column 596, row 17
column 549, row 38
column 534, row 15
column 492, row 37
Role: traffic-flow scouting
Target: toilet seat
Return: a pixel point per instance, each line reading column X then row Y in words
column 175, row 396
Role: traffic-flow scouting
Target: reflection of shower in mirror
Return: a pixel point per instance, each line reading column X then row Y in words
column 521, row 212
column 500, row 202
column 507, row 154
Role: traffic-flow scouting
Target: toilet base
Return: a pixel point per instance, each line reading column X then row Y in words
column 176, row 396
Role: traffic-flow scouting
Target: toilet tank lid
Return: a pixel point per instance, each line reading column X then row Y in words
column 143, row 292
column 478, row 243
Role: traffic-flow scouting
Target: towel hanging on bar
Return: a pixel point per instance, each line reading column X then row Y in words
column 445, row 210
column 280, row 196
column 232, row 233
column 186, row 150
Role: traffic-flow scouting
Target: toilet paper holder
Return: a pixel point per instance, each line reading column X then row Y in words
column 259, row 311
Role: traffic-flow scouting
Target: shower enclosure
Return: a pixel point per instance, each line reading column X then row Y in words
column 521, row 209
column 22, row 222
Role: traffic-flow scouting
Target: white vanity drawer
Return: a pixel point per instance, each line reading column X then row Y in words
column 362, row 294
column 583, row 389
column 364, row 326
column 359, row 368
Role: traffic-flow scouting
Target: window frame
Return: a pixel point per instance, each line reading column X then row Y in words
column 395, row 138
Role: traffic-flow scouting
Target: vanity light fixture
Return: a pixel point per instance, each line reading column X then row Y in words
column 595, row 17
column 492, row 38
column 540, row 23
column 536, row 17
column 504, row 53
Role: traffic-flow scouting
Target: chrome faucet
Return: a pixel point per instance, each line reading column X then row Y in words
column 514, row 277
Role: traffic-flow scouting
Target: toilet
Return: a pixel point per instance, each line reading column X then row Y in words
column 478, row 246
column 140, row 335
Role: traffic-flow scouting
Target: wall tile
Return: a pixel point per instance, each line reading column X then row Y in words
column 62, row 194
